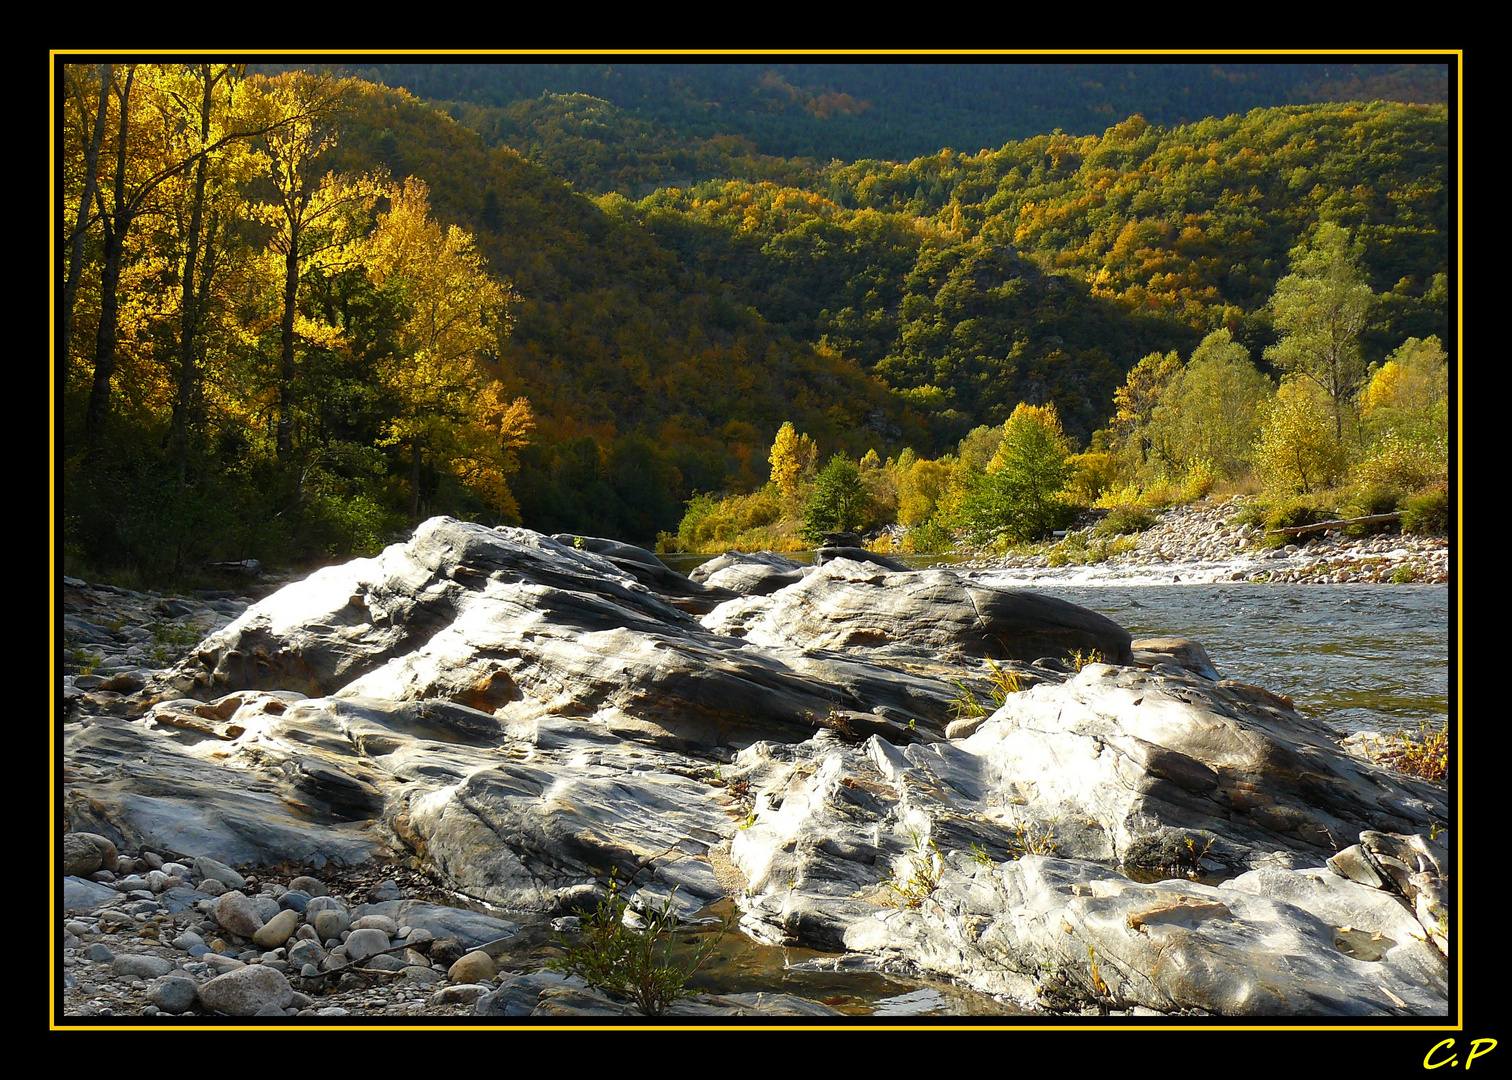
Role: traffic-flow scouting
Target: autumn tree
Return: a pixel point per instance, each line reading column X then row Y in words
column 792, row 456
column 88, row 128
column 1211, row 409
column 445, row 402
column 1020, row 495
column 1320, row 310
column 1405, row 411
column 1298, row 451
column 313, row 218
column 153, row 146
column 1135, row 403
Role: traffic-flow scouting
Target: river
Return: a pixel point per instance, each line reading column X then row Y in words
column 1371, row 658
column 1360, row 657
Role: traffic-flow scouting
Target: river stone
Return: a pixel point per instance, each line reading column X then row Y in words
column 237, row 915
column 277, row 930
column 247, row 991
column 306, row 952
column 331, row 922
column 212, row 868
column 385, row 962
column 140, row 966
column 174, row 994
column 309, row 886
column 517, row 995
column 462, row 994
column 81, row 855
column 81, row 895
column 447, row 951
column 474, row 967
column 376, row 922
column 361, row 944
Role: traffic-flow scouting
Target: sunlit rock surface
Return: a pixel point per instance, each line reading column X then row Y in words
column 523, row 718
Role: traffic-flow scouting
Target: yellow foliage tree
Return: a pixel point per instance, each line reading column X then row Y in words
column 448, row 406
column 1298, row 449
column 792, row 456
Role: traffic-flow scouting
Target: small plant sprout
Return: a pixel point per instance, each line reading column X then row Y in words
column 1029, row 841
column 979, row 854
column 1423, row 754
column 1003, row 682
column 925, row 867
column 1099, row 987
column 1080, row 659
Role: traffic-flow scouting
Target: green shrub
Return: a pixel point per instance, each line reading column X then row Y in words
column 646, row 967
column 711, row 523
column 1427, row 513
column 1124, row 519
column 930, row 538
column 839, row 500
column 1020, row 496
column 1369, row 499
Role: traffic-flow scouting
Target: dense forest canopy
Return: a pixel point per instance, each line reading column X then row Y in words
column 300, row 309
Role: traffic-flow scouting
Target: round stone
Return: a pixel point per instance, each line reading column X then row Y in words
column 174, row 994
column 474, row 967
column 361, row 944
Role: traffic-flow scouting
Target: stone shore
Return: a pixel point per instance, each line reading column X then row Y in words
column 1203, row 541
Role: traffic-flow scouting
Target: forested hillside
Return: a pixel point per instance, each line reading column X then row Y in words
column 298, row 313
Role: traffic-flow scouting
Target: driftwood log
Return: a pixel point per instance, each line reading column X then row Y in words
column 1322, row 526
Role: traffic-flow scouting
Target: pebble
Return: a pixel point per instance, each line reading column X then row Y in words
column 146, row 958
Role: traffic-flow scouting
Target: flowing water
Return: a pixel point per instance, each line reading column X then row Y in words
column 1371, row 658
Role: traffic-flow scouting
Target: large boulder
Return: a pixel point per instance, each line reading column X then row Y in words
column 1111, row 819
column 931, row 613
column 759, row 573
column 519, row 626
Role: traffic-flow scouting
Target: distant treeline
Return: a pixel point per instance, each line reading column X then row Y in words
column 662, row 337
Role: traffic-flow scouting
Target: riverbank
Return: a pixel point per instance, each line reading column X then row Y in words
column 1203, row 542
column 507, row 715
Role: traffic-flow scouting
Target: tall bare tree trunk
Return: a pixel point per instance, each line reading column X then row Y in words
column 91, row 185
column 116, row 226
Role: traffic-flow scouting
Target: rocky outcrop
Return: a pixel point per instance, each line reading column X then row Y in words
column 928, row 613
column 525, row 720
column 750, row 574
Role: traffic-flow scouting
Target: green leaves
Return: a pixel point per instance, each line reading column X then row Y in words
column 839, row 500
column 647, row 966
column 1020, row 494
